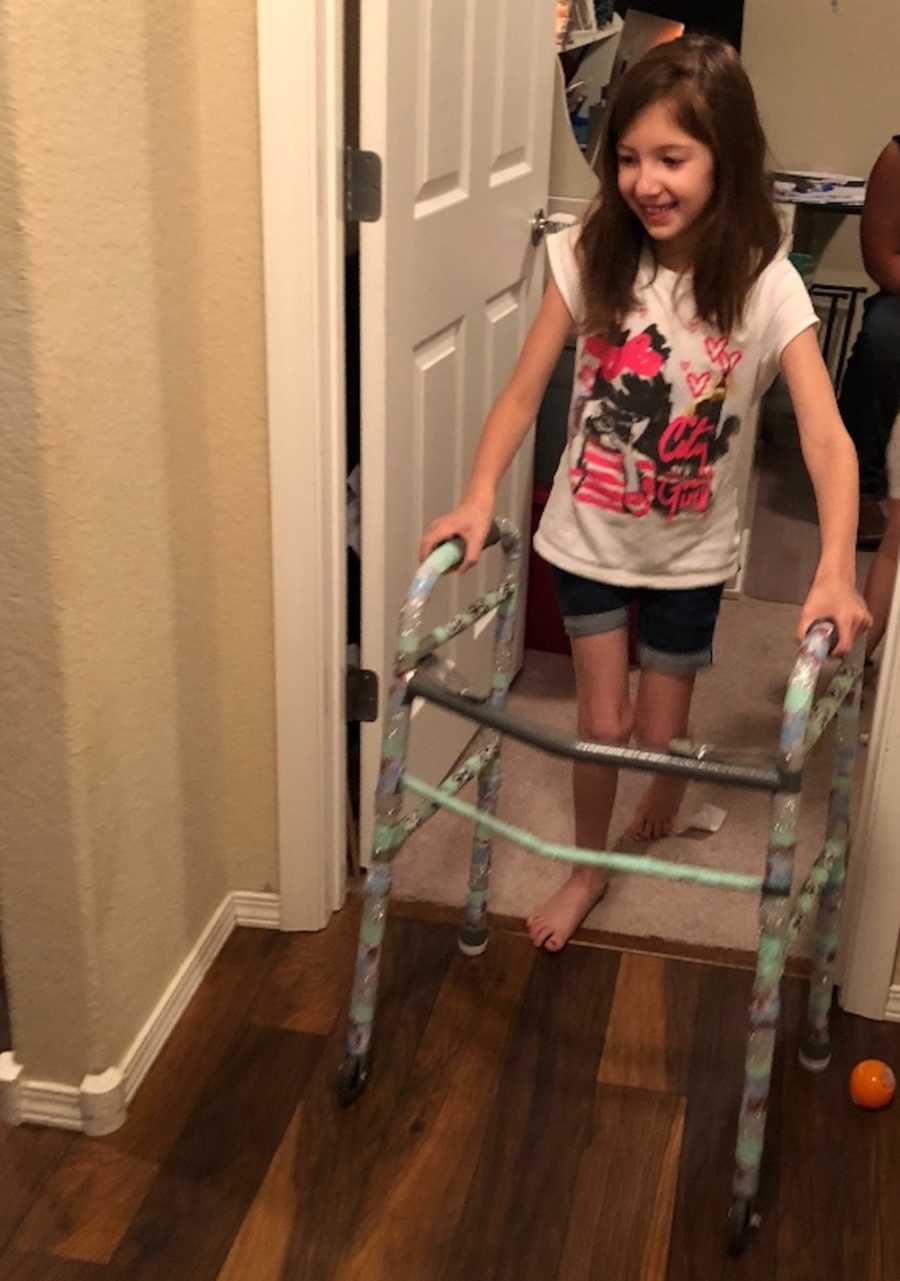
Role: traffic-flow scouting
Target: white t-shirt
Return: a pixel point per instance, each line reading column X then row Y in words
column 645, row 494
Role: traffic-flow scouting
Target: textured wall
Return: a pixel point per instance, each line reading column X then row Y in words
column 136, row 541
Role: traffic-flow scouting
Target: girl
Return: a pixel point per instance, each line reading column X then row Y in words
column 685, row 310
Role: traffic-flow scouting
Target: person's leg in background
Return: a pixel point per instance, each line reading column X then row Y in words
column 869, row 400
column 882, row 576
column 883, row 570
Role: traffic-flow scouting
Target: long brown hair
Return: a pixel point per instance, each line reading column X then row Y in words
column 701, row 79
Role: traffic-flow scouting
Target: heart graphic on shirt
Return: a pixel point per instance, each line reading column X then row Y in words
column 685, row 365
column 698, row 383
column 715, row 348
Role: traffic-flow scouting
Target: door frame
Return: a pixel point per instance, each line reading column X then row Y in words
column 301, row 111
column 872, row 912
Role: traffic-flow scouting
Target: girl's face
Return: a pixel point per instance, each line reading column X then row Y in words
column 666, row 177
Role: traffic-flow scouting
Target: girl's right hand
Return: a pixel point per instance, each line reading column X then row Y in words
column 470, row 521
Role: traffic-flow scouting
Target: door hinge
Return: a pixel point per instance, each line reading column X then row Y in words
column 362, row 694
column 362, row 185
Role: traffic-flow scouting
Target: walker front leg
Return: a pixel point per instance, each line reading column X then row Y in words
column 775, row 910
column 815, row 1052
column 390, row 834
column 353, row 1074
column 764, row 1011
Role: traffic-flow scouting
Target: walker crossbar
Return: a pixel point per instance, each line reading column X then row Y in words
column 465, row 619
column 636, row 863
column 779, row 773
column 811, row 890
column 470, row 763
column 767, row 778
column 829, row 704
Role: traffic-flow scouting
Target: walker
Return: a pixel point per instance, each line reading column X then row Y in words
column 419, row 673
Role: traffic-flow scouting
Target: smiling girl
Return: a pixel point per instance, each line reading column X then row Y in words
column 685, row 309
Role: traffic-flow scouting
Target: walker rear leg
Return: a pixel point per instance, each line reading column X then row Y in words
column 815, row 1052
column 473, row 937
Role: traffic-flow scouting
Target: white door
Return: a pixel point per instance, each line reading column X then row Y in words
column 456, row 98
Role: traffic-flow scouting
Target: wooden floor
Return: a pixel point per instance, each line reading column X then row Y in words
column 529, row 1118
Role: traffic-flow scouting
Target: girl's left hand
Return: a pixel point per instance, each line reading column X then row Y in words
column 838, row 600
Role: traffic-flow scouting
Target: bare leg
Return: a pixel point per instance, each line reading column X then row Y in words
column 882, row 573
column 663, row 708
column 604, row 715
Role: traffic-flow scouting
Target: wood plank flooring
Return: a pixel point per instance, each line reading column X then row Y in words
column 568, row 1118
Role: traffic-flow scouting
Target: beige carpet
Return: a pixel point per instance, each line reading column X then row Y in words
column 737, row 703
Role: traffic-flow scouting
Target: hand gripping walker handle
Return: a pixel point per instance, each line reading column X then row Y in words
column 493, row 537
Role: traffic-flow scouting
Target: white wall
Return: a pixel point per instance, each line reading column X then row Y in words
column 828, row 87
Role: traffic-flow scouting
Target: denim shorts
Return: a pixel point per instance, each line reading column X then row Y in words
column 675, row 625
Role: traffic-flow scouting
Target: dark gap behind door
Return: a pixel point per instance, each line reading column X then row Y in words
column 351, row 343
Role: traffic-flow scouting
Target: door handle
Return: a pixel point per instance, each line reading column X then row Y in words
column 542, row 226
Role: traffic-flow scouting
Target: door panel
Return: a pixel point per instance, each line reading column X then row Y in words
column 456, row 98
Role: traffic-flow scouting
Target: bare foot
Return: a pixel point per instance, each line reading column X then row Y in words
column 552, row 925
column 656, row 813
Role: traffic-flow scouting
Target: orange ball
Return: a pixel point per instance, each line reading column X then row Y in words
column 872, row 1084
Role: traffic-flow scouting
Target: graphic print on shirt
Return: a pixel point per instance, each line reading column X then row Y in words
column 636, row 455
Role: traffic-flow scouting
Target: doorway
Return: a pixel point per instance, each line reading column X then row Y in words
column 286, row 711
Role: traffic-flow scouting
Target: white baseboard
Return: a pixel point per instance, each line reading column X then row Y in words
column 99, row 1105
column 261, row 911
column 892, row 1012
column 169, row 1008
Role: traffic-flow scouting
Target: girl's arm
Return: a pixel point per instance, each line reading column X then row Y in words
column 505, row 428
column 831, row 462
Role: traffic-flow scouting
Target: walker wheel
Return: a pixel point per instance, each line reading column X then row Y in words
column 472, row 942
column 352, row 1078
column 741, row 1222
column 813, row 1057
